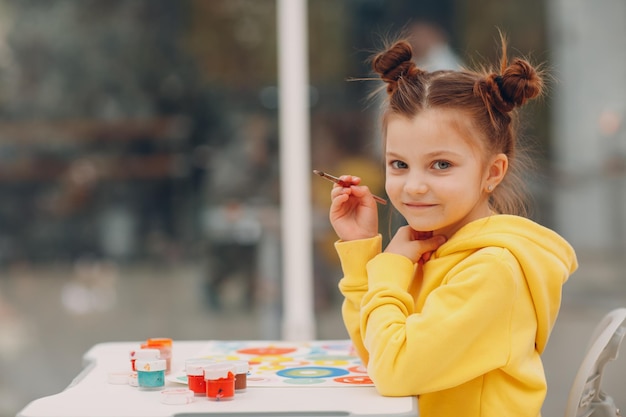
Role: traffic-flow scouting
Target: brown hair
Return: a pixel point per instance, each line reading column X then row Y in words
column 489, row 98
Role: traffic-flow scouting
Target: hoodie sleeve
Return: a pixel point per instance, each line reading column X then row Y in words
column 462, row 331
column 354, row 256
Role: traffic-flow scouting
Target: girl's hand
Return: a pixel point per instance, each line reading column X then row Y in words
column 353, row 211
column 417, row 246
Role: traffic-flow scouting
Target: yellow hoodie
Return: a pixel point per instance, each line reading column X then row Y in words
column 465, row 331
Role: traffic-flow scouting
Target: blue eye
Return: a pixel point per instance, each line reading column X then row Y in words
column 441, row 165
column 398, row 164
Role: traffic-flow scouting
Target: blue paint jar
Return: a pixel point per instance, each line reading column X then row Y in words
column 150, row 374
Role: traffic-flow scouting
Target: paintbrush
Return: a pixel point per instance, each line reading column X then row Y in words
column 343, row 184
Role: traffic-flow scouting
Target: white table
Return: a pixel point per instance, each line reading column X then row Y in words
column 91, row 395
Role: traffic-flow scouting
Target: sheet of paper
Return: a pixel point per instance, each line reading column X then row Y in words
column 306, row 364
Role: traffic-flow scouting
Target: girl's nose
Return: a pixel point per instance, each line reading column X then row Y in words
column 415, row 184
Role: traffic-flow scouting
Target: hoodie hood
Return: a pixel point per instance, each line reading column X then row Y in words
column 545, row 257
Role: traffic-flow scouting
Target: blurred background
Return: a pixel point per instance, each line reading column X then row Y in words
column 139, row 175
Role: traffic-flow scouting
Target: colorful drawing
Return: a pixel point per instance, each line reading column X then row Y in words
column 319, row 363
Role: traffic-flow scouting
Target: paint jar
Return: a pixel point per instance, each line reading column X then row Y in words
column 143, row 354
column 220, row 381
column 194, row 368
column 241, row 374
column 164, row 345
column 150, row 374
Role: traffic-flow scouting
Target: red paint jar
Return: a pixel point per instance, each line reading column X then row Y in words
column 194, row 368
column 220, row 381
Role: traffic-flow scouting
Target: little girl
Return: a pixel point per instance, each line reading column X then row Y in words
column 459, row 307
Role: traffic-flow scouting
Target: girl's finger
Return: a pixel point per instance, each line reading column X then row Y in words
column 338, row 191
column 428, row 246
column 349, row 180
column 422, row 235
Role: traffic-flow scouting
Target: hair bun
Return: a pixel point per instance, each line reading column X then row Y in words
column 519, row 82
column 395, row 63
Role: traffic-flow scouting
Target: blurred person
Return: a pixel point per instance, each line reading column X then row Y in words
column 242, row 186
column 431, row 47
column 458, row 307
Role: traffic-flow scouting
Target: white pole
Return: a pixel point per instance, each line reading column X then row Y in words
column 295, row 173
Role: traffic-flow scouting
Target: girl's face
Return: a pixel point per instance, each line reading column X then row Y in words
column 437, row 176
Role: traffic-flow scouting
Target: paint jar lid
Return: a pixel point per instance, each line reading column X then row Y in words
column 144, row 354
column 218, row 370
column 177, row 396
column 151, row 365
column 118, row 377
column 196, row 366
column 241, row 366
column 132, row 379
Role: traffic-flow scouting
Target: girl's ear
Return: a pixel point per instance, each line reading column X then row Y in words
column 497, row 170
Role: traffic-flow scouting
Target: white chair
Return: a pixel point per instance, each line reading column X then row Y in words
column 586, row 398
